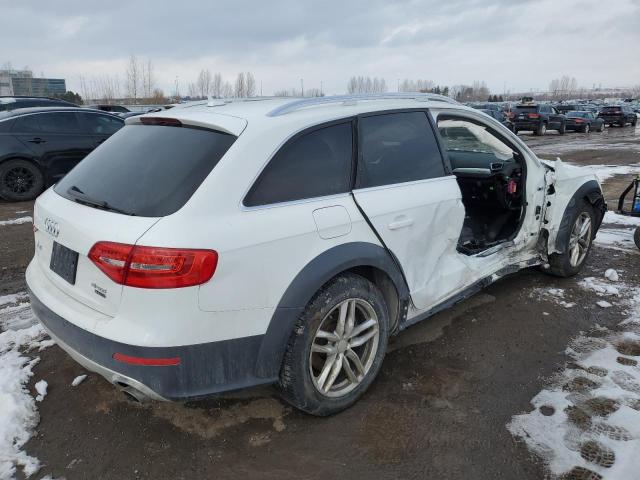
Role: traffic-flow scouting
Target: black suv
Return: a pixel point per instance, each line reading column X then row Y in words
column 38, row 146
column 618, row 115
column 13, row 103
column 538, row 118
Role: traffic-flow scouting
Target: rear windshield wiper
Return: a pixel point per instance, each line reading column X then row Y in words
column 80, row 197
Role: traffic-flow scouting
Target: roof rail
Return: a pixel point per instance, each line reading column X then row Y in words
column 348, row 99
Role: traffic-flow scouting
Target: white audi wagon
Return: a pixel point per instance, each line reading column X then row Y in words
column 220, row 245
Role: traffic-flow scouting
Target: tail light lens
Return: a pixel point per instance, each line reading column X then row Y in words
column 579, row 120
column 534, row 115
column 154, row 267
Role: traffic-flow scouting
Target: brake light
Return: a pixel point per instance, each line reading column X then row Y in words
column 166, row 122
column 154, row 267
column 579, row 120
column 534, row 115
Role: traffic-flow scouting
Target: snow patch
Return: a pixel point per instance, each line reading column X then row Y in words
column 616, row 238
column 19, row 333
column 78, row 380
column 604, row 304
column 16, row 221
column 617, row 219
column 41, row 388
column 589, row 416
column 611, row 275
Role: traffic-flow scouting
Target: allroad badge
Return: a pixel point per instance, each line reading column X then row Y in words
column 51, row 226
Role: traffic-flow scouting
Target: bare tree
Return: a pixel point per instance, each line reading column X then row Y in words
column 193, row 91
column 250, row 85
column 133, row 78
column 419, row 85
column 240, row 86
column 227, row 90
column 148, row 79
column 362, row 84
column 204, row 83
column 216, row 87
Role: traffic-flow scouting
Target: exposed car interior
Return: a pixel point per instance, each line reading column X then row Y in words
column 491, row 176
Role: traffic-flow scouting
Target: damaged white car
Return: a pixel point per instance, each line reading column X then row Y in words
column 221, row 245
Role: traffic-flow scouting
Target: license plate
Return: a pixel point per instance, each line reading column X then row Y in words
column 64, row 262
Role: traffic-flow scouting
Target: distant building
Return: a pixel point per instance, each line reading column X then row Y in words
column 22, row 82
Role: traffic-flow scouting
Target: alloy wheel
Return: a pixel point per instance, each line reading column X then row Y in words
column 580, row 239
column 19, row 180
column 344, row 347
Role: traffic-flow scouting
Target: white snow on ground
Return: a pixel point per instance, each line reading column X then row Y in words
column 16, row 221
column 611, row 217
column 41, row 388
column 616, row 239
column 589, row 416
column 78, row 380
column 554, row 294
column 605, row 172
column 19, row 333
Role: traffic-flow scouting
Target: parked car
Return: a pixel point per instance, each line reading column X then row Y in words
column 618, row 115
column 116, row 109
column 13, row 103
column 213, row 248
column 38, row 146
column 584, row 122
column 500, row 116
column 539, row 118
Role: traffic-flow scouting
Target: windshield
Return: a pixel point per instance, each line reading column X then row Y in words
column 146, row 170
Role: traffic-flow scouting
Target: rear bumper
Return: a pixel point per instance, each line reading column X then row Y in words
column 526, row 125
column 204, row 369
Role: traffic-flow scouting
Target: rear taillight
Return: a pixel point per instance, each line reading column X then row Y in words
column 534, row 115
column 578, row 120
column 154, row 267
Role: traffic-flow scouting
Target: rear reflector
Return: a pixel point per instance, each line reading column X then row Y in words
column 154, row 267
column 167, row 122
column 147, row 362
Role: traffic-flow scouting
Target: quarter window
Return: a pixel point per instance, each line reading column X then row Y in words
column 102, row 124
column 397, row 148
column 315, row 164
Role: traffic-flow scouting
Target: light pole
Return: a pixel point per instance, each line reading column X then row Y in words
column 302, row 86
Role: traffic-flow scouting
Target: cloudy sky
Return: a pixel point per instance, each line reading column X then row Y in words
column 517, row 45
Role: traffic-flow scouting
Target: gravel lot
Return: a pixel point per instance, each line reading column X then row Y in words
column 439, row 408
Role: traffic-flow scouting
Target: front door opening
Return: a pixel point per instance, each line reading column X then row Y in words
column 491, row 176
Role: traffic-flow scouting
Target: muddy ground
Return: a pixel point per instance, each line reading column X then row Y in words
column 437, row 410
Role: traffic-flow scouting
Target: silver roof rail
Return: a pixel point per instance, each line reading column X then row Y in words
column 352, row 99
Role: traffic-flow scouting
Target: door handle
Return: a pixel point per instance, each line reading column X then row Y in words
column 37, row 140
column 400, row 222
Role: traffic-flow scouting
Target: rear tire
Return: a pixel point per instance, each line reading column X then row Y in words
column 20, row 180
column 541, row 130
column 308, row 380
column 601, row 129
column 577, row 244
column 563, row 128
column 636, row 237
column 587, row 128
column 634, row 122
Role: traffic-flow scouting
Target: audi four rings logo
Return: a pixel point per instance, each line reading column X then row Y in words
column 51, row 226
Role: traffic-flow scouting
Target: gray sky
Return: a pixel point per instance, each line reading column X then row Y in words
column 522, row 44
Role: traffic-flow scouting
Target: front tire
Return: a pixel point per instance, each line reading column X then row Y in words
column 336, row 348
column 20, row 180
column 577, row 244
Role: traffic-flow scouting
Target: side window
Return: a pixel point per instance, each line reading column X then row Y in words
column 315, row 164
column 60, row 122
column 101, row 124
column 397, row 148
column 470, row 144
column 26, row 124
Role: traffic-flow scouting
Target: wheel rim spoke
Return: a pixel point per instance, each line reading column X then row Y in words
column 342, row 318
column 326, row 370
column 348, row 370
column 362, row 327
column 362, row 339
column 329, row 336
column 355, row 359
column 326, row 349
column 335, row 371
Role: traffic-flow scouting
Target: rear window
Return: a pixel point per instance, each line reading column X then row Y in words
column 527, row 109
column 147, row 170
column 577, row 114
column 611, row 109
